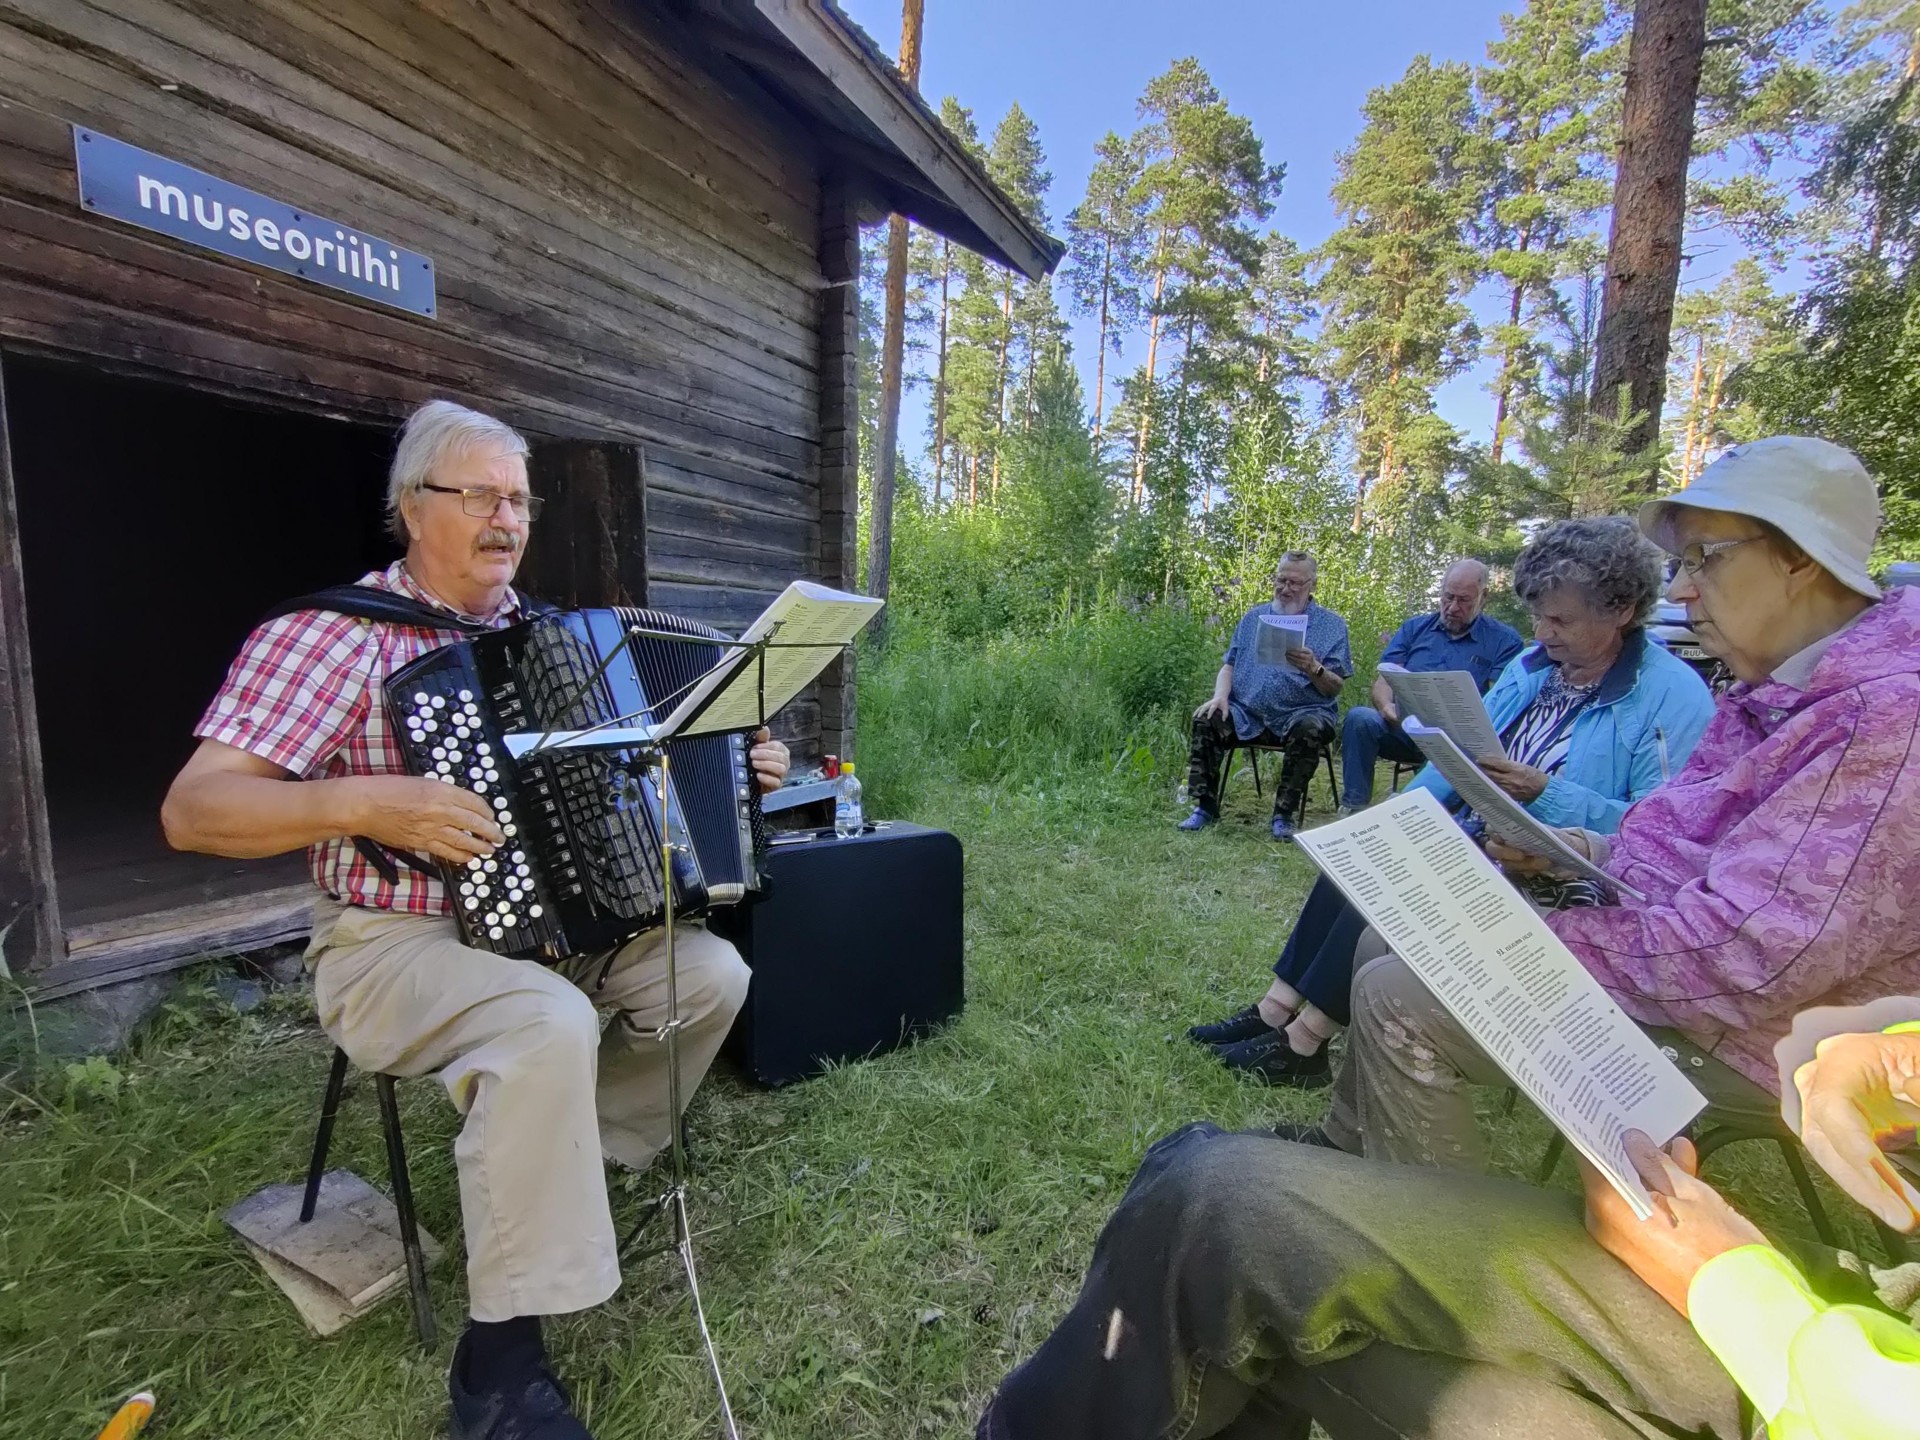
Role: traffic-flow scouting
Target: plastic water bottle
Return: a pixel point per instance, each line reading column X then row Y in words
column 848, row 818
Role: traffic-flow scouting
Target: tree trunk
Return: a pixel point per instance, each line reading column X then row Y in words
column 892, row 350
column 940, row 379
column 1146, row 397
column 1713, row 403
column 1503, row 401
column 1100, row 366
column 973, row 481
column 1000, row 383
column 1649, row 213
column 1693, row 408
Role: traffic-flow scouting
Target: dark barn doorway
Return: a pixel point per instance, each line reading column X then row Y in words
column 156, row 524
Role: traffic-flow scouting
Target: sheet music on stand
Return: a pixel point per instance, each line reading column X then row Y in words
column 1491, row 960
column 802, row 630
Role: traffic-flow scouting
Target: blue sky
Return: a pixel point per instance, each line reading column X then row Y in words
column 1299, row 70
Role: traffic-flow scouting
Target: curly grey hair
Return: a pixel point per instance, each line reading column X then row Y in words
column 437, row 430
column 1611, row 564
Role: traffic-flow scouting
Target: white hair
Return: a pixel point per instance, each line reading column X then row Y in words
column 435, row 432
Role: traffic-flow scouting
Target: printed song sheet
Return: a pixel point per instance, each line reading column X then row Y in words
column 1489, row 958
column 1277, row 635
column 1507, row 819
column 1447, row 700
column 809, row 624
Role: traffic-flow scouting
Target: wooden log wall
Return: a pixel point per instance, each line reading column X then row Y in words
column 628, row 245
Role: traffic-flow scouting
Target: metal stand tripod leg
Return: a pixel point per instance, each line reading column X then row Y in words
column 674, row 1202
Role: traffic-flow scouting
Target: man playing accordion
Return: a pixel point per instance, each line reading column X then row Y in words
column 544, row 1089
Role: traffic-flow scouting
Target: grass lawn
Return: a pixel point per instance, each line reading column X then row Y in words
column 880, row 1244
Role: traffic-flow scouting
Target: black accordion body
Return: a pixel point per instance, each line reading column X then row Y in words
column 581, row 870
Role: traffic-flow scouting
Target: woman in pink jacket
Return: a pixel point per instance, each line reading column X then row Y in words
column 1781, row 865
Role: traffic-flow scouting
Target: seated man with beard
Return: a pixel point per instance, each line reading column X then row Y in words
column 1286, row 702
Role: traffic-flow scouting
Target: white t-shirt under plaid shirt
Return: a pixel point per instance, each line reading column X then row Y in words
column 305, row 693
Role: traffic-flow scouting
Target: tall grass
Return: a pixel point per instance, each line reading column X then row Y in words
column 1101, row 700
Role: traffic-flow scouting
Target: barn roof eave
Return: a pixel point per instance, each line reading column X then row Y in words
column 818, row 61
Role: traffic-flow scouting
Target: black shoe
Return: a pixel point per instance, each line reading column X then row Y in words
column 1244, row 1024
column 537, row 1407
column 1271, row 1058
column 1305, row 1135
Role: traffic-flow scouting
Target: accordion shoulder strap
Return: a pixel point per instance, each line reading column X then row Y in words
column 365, row 602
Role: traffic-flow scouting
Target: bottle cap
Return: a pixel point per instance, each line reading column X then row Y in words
column 846, row 767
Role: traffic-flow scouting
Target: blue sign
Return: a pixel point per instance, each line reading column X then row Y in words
column 151, row 191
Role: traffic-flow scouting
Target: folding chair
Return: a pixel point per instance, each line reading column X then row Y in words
column 1253, row 749
column 396, row 1171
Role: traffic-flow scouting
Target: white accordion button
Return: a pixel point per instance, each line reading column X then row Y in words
column 533, row 911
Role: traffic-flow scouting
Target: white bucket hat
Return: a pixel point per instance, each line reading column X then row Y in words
column 1815, row 493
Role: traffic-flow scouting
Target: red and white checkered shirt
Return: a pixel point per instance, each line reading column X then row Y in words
column 305, row 694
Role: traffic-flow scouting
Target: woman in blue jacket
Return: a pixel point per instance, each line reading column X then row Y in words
column 1592, row 716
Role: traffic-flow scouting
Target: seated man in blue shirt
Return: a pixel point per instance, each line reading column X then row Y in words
column 1268, row 695
column 1455, row 637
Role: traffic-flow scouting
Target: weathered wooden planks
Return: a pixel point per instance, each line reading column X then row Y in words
column 29, row 914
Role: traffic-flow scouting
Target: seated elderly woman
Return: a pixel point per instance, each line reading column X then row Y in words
column 1592, row 716
column 1780, row 867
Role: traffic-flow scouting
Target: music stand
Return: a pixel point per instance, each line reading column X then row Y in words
column 652, row 749
column 673, row 1201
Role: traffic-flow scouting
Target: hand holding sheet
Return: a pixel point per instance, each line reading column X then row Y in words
column 1507, row 979
column 1277, row 635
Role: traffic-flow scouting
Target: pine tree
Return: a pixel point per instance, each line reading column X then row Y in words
column 1105, row 251
column 1395, row 275
column 1017, row 163
column 1204, row 184
column 893, row 351
column 1740, row 322
column 937, row 269
column 1540, row 103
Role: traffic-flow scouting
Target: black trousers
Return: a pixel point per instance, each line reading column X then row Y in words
column 1302, row 738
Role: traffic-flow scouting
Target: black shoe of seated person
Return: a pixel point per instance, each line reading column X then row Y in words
column 532, row 1406
column 1244, row 1024
column 1272, row 1059
column 1298, row 1134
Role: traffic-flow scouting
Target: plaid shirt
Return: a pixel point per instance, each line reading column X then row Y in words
column 305, row 694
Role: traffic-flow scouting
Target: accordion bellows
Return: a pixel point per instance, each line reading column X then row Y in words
column 582, row 869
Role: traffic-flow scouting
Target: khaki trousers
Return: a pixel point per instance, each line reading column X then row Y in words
column 1403, row 1094
column 545, row 1092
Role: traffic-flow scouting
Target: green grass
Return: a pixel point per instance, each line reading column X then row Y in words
column 879, row 1245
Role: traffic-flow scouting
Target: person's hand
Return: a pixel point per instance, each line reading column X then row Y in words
column 430, row 817
column 1859, row 1096
column 1523, row 862
column 1301, row 658
column 769, row 759
column 1390, row 712
column 1691, row 1223
column 1211, row 707
column 1522, row 782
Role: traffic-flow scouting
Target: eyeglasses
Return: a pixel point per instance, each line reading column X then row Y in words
column 1693, row 558
column 484, row 504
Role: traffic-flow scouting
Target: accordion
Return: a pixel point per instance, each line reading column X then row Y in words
column 582, row 868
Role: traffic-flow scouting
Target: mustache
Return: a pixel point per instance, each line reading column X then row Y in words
column 494, row 535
